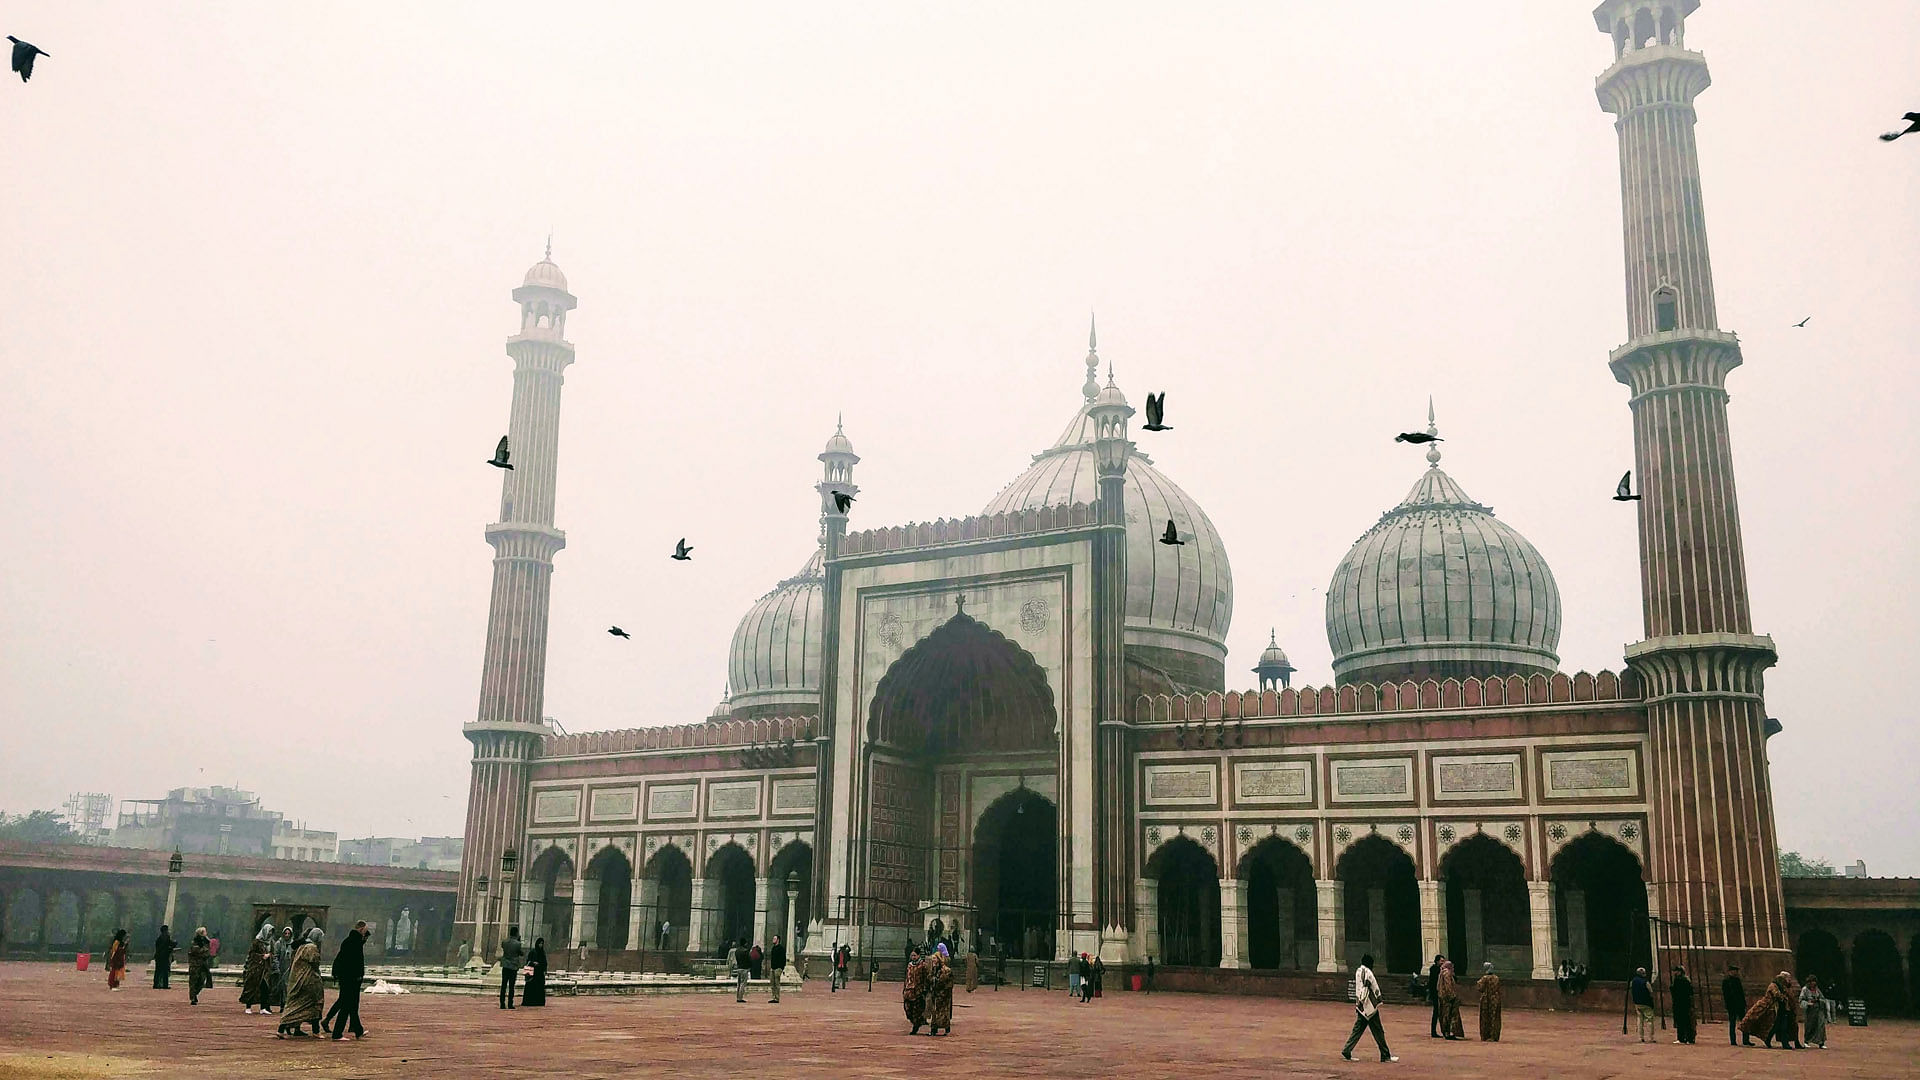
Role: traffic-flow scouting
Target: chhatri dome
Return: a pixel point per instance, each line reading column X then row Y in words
column 1179, row 599
column 1438, row 588
column 545, row 272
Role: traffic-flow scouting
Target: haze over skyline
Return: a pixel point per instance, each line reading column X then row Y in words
column 259, row 300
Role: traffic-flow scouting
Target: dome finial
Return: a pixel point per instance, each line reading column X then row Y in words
column 549, row 255
column 1433, row 448
column 1273, row 638
column 1091, row 388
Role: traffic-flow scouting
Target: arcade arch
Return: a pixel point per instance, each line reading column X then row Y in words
column 1282, row 930
column 729, row 895
column 610, row 891
column 787, row 907
column 1188, row 898
column 1381, row 904
column 670, row 881
column 1602, row 906
column 1488, row 916
column 1016, row 877
column 552, row 900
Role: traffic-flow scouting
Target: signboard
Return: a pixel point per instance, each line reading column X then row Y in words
column 1040, row 976
column 1856, row 1012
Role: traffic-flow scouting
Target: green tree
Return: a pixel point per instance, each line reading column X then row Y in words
column 38, row 827
column 1794, row 864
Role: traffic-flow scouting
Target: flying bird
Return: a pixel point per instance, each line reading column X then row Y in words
column 1172, row 535
column 23, row 54
column 500, row 455
column 1912, row 118
column 842, row 500
column 1802, row 322
column 1625, row 492
column 617, row 632
column 1417, row 437
column 1156, row 412
column 681, row 551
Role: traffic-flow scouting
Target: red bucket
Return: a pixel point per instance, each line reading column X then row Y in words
column 80, row 961
column 1136, row 982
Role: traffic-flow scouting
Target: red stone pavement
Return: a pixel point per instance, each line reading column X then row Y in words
column 49, row 1015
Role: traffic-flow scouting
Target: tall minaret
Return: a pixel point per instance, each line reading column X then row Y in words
column 1113, row 828
column 837, row 460
column 1713, row 858
column 506, row 734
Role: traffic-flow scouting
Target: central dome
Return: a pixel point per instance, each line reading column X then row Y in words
column 1179, row 599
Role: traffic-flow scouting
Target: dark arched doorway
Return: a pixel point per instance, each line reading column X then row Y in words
column 1016, row 886
column 1602, row 906
column 1877, row 975
column 730, row 895
column 1382, row 904
column 789, row 887
column 1281, row 907
column 552, row 914
column 671, row 915
column 1189, row 901
column 1488, row 917
column 610, row 883
column 1818, row 953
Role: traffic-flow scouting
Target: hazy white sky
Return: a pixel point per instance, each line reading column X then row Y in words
column 259, row 258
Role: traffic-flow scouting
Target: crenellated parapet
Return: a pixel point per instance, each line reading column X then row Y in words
column 716, row 733
column 961, row 530
column 1491, row 692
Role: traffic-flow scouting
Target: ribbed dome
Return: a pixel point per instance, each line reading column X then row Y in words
column 839, row 443
column 1440, row 588
column 1178, row 598
column 546, row 273
column 1274, row 656
column 774, row 665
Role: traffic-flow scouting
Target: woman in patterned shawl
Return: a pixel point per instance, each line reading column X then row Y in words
column 199, row 965
column 304, row 989
column 913, row 992
column 255, row 983
column 940, row 993
column 1762, row 1014
column 1489, row 987
column 117, row 960
column 1450, row 1003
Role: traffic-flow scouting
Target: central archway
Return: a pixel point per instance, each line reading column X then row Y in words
column 1016, row 886
column 1189, row 901
column 1488, row 915
column 1281, row 907
column 1602, row 906
column 964, row 689
column 1382, row 904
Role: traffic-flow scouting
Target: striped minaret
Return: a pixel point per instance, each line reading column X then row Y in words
column 1713, row 875
column 506, row 734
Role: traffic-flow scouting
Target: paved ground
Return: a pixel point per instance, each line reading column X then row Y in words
column 55, row 1022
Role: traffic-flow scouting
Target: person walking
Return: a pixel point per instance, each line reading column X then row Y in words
column 1786, row 1019
column 776, row 963
column 1681, row 990
column 1366, row 1008
column 1733, row 995
column 535, row 993
column 1640, row 992
column 254, row 977
column 913, row 992
column 1433, row 997
column 512, row 954
column 282, row 964
column 1813, row 1004
column 1450, row 1026
column 1763, row 1016
column 162, row 958
column 349, row 969
column 306, row 991
column 1086, row 980
column 1489, row 987
column 117, row 960
column 199, row 965
column 940, row 992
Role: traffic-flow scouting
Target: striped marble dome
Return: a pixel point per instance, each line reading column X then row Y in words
column 1439, row 587
column 1179, row 599
column 773, row 668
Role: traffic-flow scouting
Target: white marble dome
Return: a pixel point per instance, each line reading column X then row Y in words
column 545, row 273
column 773, row 668
column 1439, row 587
column 1179, row 599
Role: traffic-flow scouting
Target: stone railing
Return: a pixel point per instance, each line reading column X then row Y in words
column 710, row 733
column 1469, row 693
column 959, row 530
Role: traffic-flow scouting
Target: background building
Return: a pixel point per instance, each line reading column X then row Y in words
column 425, row 853
column 293, row 840
column 219, row 821
column 89, row 815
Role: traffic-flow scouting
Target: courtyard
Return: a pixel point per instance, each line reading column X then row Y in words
column 55, row 1022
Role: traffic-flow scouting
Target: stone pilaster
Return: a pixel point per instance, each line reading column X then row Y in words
column 1331, row 911
column 1233, row 924
column 1433, row 920
column 697, row 918
column 1540, row 910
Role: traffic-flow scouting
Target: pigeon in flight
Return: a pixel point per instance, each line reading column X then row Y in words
column 500, row 455
column 1156, row 412
column 681, row 551
column 617, row 632
column 1416, row 437
column 1625, row 492
column 1912, row 118
column 842, row 500
column 23, row 54
column 1802, row 322
column 1172, row 535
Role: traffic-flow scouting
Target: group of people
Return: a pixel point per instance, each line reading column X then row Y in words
column 1572, row 977
column 927, row 992
column 280, row 974
column 1086, row 977
column 1441, row 988
column 746, row 960
column 518, row 961
column 1779, row 1013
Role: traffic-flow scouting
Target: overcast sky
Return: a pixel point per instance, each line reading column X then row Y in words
column 257, row 290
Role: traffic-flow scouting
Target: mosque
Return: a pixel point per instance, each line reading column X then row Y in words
column 1018, row 722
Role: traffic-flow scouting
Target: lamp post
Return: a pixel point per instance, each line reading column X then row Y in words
column 510, row 903
column 793, row 919
column 482, row 918
column 175, row 864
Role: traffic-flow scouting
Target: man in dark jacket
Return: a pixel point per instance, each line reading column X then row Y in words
column 776, row 963
column 512, row 955
column 1733, row 994
column 162, row 959
column 349, row 968
column 1433, row 996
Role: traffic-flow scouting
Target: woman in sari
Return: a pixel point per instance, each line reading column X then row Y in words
column 1764, row 1012
column 536, row 989
column 304, row 989
column 1450, row 1003
column 913, row 992
column 940, row 993
column 117, row 960
column 256, row 981
column 199, row 965
column 1814, row 1005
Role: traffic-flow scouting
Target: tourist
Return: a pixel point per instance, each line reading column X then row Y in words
column 838, row 978
column 1786, row 1019
column 162, row 958
column 535, row 993
column 737, row 967
column 754, row 960
column 253, row 980
column 1086, row 980
column 1563, row 975
column 349, row 968
column 1073, row 976
column 512, row 953
column 1733, row 995
column 1148, row 983
column 1099, row 977
column 1814, row 1005
column 973, row 970
column 1640, row 992
column 776, row 963
column 1449, row 989
column 199, row 965
column 1433, row 997
column 913, row 992
column 282, row 963
column 306, row 992
column 666, row 933
column 940, row 992
column 1489, row 987
column 117, row 960
column 1764, row 1013
column 1684, row 1029
column 1366, row 1008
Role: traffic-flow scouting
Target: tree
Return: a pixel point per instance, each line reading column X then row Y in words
column 1793, row 864
column 38, row 827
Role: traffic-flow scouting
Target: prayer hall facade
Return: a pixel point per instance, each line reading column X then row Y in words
column 1018, row 722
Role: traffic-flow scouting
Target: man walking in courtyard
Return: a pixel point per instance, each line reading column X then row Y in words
column 162, row 958
column 512, row 955
column 1733, row 994
column 1366, row 1007
column 776, row 963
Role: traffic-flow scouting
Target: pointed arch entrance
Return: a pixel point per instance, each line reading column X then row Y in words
column 552, row 914
column 670, row 920
column 1282, row 926
column 1488, row 914
column 730, row 897
column 1602, row 906
column 1382, row 904
column 1189, row 903
column 1016, row 886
